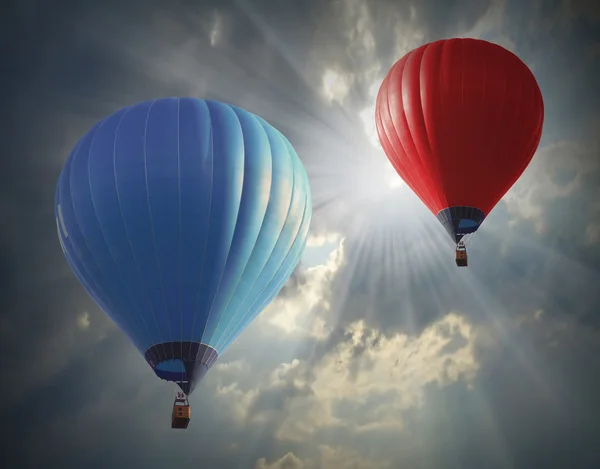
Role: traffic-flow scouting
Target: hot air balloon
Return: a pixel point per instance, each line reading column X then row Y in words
column 460, row 120
column 183, row 218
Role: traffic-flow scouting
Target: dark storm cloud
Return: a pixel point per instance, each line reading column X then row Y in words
column 92, row 415
column 560, row 40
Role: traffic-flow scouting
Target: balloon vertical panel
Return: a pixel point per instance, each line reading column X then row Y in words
column 287, row 199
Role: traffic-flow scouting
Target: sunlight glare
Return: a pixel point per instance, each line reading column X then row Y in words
column 391, row 178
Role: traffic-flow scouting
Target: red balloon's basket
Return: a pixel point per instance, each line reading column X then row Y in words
column 461, row 256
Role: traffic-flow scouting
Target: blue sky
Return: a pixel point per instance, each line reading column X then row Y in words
column 378, row 353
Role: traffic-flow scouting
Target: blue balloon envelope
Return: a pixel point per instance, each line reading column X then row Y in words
column 183, row 218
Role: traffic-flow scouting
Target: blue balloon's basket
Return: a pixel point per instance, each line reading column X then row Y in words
column 181, row 412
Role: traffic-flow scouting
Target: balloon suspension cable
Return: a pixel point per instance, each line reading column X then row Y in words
column 463, row 241
column 183, row 374
column 179, row 393
column 182, row 397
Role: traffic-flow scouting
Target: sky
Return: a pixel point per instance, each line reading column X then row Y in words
column 379, row 352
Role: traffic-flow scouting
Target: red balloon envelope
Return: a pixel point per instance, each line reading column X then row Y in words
column 460, row 120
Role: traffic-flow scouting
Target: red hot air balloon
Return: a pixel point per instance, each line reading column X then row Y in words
column 460, row 120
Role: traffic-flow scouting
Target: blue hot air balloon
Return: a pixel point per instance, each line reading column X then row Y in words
column 183, row 218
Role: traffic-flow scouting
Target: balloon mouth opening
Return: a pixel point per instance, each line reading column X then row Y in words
column 171, row 366
column 184, row 363
column 460, row 220
column 467, row 224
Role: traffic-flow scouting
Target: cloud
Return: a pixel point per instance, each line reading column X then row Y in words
column 375, row 379
column 327, row 458
column 336, row 85
column 570, row 11
column 380, row 353
column 369, row 363
column 294, row 313
column 289, row 461
column 592, row 233
column 495, row 353
column 321, row 239
column 558, row 171
column 365, row 384
column 83, row 320
column 492, row 26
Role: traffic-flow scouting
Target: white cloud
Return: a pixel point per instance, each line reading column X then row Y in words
column 327, row 457
column 83, row 320
column 376, row 378
column 235, row 366
column 336, row 85
column 295, row 314
column 322, row 239
column 402, row 365
column 289, row 461
column 235, row 400
column 345, row 458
